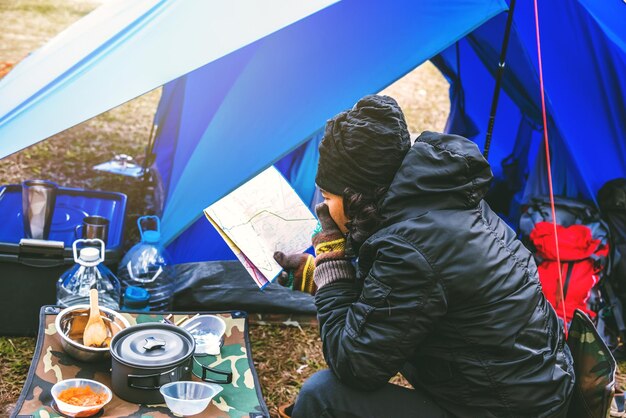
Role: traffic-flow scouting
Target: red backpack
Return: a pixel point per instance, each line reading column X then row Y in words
column 580, row 269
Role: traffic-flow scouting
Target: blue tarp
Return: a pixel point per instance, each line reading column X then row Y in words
column 124, row 49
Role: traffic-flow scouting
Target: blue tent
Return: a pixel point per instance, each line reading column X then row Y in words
column 245, row 88
column 583, row 44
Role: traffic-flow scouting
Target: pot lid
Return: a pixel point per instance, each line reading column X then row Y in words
column 152, row 345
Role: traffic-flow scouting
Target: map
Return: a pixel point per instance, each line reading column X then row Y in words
column 261, row 217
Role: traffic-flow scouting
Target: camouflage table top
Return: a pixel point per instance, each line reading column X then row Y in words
column 241, row 398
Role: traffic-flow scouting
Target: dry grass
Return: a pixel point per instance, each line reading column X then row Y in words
column 284, row 356
column 28, row 24
column 423, row 97
column 15, row 360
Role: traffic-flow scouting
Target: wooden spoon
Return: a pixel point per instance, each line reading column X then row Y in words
column 95, row 331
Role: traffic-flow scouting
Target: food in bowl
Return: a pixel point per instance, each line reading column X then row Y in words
column 80, row 397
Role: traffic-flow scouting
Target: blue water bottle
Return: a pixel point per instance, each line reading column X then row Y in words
column 147, row 265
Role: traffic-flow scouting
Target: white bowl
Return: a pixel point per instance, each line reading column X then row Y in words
column 189, row 398
column 75, row 410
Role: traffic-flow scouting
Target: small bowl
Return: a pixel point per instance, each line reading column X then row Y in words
column 70, row 324
column 208, row 331
column 75, row 410
column 189, row 398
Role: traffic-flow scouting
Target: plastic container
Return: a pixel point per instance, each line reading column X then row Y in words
column 76, row 410
column 73, row 286
column 189, row 398
column 29, row 269
column 147, row 265
column 208, row 331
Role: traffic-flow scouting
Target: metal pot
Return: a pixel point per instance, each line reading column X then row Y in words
column 146, row 357
column 70, row 325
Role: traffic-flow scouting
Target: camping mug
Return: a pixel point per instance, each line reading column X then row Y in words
column 38, row 200
column 93, row 227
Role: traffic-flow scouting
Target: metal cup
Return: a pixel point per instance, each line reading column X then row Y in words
column 93, row 227
column 38, row 200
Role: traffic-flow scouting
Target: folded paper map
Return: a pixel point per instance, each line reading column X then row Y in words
column 261, row 217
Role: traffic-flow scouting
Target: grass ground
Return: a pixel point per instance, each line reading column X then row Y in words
column 284, row 356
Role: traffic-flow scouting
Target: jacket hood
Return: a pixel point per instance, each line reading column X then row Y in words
column 440, row 171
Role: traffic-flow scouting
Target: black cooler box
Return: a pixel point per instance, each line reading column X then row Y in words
column 29, row 271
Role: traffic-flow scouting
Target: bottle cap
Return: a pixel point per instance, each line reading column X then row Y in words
column 152, row 236
column 136, row 297
column 89, row 254
column 136, row 293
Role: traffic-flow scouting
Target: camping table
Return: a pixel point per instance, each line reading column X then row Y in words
column 241, row 398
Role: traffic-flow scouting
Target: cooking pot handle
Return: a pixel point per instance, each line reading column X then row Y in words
column 156, row 378
column 227, row 379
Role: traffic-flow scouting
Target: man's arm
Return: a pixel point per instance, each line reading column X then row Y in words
column 369, row 334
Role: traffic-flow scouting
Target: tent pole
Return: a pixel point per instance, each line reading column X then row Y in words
column 460, row 80
column 499, row 75
column 153, row 130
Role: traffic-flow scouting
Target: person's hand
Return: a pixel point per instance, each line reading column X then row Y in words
column 328, row 241
column 331, row 263
column 298, row 271
column 329, row 244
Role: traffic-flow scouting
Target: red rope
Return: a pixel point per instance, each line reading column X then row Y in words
column 545, row 140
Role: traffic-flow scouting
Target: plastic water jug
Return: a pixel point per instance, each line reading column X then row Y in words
column 73, row 286
column 147, row 265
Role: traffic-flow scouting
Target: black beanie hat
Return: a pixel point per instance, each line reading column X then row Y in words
column 363, row 147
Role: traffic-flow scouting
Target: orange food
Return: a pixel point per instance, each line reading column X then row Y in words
column 82, row 396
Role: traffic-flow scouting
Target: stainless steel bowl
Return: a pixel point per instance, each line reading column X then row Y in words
column 70, row 324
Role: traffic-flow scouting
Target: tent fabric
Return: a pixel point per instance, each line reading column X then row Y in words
column 584, row 62
column 243, row 112
column 119, row 52
column 178, row 124
column 201, row 241
column 587, row 147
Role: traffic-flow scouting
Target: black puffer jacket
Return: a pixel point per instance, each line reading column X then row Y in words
column 446, row 294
